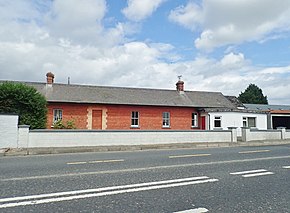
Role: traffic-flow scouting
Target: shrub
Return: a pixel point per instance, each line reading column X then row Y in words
column 70, row 124
column 25, row 101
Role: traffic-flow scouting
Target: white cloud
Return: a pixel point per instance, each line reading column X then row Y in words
column 228, row 22
column 76, row 20
column 138, row 10
column 232, row 59
column 276, row 70
column 188, row 16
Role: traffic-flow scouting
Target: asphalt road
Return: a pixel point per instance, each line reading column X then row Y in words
column 226, row 180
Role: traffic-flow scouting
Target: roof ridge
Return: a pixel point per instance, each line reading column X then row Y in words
column 120, row 87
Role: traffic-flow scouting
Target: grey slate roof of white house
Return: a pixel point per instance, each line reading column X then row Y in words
column 266, row 107
column 239, row 107
column 70, row 93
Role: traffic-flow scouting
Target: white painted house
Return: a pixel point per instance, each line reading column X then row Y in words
column 222, row 118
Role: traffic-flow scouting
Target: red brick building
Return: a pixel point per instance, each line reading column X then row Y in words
column 118, row 108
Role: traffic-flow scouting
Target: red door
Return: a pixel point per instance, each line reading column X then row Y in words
column 203, row 122
column 97, row 119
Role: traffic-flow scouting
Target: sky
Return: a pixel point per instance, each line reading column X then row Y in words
column 216, row 45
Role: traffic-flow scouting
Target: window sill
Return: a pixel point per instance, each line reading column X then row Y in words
column 166, row 127
column 195, row 127
column 217, row 128
column 135, row 127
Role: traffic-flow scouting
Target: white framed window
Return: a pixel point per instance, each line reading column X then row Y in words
column 249, row 122
column 194, row 119
column 166, row 119
column 135, row 119
column 245, row 122
column 57, row 115
column 217, row 121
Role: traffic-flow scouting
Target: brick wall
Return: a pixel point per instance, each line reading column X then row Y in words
column 150, row 118
column 76, row 112
column 118, row 117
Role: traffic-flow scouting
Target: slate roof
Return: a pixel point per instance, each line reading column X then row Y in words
column 130, row 96
column 266, row 107
column 238, row 107
column 235, row 101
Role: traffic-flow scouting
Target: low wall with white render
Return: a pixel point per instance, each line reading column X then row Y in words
column 258, row 135
column 265, row 135
column 8, row 131
column 82, row 138
column 287, row 134
column 25, row 138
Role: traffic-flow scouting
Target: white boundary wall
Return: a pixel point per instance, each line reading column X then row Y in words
column 8, row 131
column 23, row 138
column 265, row 135
column 258, row 135
column 287, row 134
column 82, row 138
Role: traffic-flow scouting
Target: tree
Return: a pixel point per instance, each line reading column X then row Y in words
column 24, row 101
column 253, row 95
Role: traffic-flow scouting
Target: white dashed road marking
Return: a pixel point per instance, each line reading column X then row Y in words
column 106, row 161
column 188, row 156
column 76, row 163
column 253, row 173
column 247, row 172
column 258, row 174
column 95, row 161
column 254, row 151
column 197, row 210
column 286, row 167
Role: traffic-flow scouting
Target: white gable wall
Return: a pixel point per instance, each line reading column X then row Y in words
column 8, row 131
column 235, row 119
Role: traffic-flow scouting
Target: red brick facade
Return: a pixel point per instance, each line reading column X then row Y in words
column 118, row 117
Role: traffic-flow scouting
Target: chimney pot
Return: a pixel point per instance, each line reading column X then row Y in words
column 49, row 78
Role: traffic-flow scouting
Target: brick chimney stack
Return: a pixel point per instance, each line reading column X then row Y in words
column 180, row 84
column 49, row 78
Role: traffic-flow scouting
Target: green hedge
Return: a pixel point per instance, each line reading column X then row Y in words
column 24, row 101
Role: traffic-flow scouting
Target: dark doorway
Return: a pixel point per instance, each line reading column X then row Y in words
column 203, row 122
column 281, row 121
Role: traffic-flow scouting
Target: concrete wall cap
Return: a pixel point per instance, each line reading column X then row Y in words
column 23, row 126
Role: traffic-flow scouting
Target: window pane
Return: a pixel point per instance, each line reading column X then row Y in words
column 252, row 122
column 57, row 115
column 165, row 115
column 194, row 122
column 217, row 121
column 245, row 122
column 135, row 118
column 166, row 119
